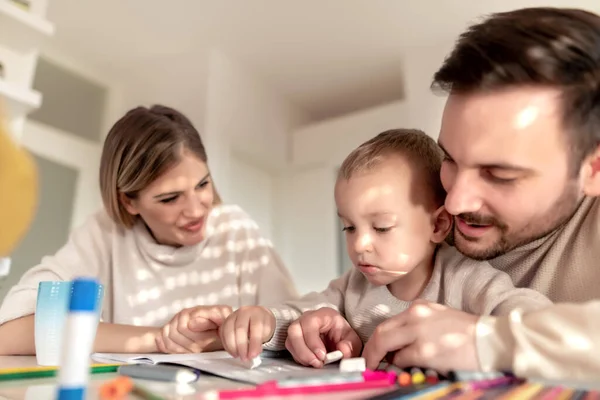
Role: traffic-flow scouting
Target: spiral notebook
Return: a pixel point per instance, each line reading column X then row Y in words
column 220, row 363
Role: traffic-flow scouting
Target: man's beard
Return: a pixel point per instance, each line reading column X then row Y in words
column 556, row 216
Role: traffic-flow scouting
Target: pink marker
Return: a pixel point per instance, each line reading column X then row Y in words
column 371, row 380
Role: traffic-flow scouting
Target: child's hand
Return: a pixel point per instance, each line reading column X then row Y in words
column 318, row 332
column 244, row 332
column 193, row 330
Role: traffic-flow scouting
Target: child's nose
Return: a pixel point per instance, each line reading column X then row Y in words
column 363, row 243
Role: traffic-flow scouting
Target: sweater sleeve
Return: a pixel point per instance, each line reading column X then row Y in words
column 275, row 283
column 285, row 314
column 488, row 291
column 261, row 269
column 86, row 253
column 557, row 342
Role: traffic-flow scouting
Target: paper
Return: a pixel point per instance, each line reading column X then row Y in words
column 220, row 363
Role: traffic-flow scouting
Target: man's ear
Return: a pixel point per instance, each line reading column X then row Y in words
column 128, row 203
column 590, row 174
column 442, row 224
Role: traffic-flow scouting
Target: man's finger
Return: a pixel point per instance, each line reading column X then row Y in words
column 408, row 357
column 389, row 336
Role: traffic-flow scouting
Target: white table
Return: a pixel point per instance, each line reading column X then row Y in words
column 45, row 388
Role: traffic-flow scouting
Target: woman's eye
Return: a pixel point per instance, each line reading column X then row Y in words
column 168, row 200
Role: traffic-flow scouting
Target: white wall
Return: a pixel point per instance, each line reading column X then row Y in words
column 253, row 189
column 246, row 116
column 246, row 130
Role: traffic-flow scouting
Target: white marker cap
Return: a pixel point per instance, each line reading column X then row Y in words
column 357, row 364
column 333, row 357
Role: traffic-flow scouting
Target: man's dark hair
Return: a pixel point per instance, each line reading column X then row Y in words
column 552, row 47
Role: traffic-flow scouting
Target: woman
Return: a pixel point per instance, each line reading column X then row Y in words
column 163, row 243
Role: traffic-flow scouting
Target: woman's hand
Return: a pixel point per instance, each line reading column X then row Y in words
column 193, row 330
column 244, row 332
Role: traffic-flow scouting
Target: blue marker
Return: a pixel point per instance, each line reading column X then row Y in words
column 78, row 341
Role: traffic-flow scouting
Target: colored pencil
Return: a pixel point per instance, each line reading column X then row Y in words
column 9, row 374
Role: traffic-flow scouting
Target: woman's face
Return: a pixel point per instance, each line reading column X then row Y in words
column 176, row 205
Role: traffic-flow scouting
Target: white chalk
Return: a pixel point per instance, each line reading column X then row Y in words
column 357, row 364
column 253, row 363
column 333, row 357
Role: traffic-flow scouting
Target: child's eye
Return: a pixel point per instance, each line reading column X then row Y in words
column 382, row 230
column 348, row 229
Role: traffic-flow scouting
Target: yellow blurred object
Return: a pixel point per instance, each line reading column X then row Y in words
column 18, row 191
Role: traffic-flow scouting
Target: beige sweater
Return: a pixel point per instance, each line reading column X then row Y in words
column 147, row 283
column 562, row 341
column 456, row 281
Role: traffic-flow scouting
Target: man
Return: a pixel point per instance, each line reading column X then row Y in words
column 521, row 133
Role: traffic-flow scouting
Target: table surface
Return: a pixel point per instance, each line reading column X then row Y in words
column 45, row 388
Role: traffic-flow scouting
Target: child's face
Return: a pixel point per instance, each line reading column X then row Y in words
column 389, row 229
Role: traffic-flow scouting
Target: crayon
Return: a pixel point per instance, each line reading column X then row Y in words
column 524, row 391
column 417, row 375
column 431, row 376
column 579, row 395
column 490, row 383
column 404, row 378
column 9, row 374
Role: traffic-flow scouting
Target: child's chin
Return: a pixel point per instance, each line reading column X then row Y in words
column 377, row 281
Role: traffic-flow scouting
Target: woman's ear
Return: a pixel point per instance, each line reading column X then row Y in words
column 128, row 203
column 590, row 174
column 442, row 224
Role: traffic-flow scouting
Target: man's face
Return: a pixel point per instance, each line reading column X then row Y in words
column 506, row 169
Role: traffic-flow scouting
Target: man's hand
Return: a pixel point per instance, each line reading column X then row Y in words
column 426, row 335
column 244, row 332
column 318, row 332
column 193, row 330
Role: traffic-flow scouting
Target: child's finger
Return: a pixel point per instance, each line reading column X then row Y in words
column 256, row 328
column 241, row 333
column 296, row 344
column 227, row 334
column 312, row 328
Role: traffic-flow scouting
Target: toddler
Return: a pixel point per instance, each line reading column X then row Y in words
column 390, row 200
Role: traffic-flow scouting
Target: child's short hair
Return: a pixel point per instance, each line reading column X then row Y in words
column 421, row 151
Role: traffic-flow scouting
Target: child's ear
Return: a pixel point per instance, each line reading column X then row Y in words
column 442, row 224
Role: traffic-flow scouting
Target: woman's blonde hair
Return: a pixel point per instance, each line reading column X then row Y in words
column 140, row 147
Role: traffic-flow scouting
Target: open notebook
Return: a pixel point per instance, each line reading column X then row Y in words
column 220, row 363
